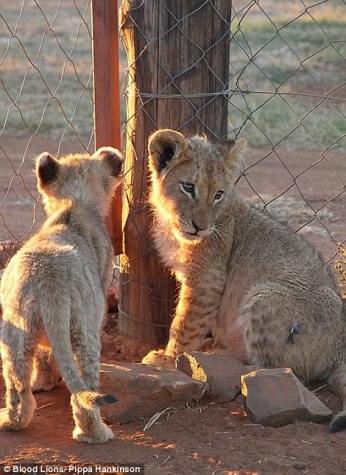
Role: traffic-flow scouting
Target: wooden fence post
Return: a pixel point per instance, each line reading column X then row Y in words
column 178, row 60
column 107, row 94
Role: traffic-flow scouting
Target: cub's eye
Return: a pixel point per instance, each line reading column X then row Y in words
column 188, row 188
column 218, row 195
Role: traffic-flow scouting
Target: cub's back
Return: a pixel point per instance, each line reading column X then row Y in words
column 56, row 260
column 270, row 251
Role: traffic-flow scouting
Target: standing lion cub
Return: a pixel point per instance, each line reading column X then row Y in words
column 260, row 290
column 53, row 291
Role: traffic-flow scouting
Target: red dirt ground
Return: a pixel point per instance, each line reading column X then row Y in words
column 214, row 439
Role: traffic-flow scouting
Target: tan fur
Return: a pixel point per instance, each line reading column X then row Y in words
column 53, row 293
column 45, row 373
column 244, row 278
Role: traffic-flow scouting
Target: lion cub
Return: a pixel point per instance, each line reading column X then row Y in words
column 53, row 291
column 260, row 290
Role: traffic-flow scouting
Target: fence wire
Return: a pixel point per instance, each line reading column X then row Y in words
column 46, row 101
column 286, row 93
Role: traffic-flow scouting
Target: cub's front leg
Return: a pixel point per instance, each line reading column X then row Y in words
column 195, row 316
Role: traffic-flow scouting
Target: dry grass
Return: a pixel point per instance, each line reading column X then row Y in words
column 46, row 80
column 292, row 62
column 45, row 64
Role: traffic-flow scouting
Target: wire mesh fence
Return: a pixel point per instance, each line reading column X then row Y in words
column 46, row 100
column 281, row 83
column 285, row 93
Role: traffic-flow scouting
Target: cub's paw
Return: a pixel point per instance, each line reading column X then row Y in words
column 6, row 423
column 159, row 358
column 100, row 436
column 46, row 375
column 43, row 383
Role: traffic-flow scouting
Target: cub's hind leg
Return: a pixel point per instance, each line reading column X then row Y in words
column 301, row 329
column 337, row 382
column 84, row 401
column 17, row 350
column 89, row 425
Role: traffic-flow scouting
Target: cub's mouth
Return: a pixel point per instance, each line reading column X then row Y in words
column 192, row 231
column 192, row 236
column 197, row 234
column 183, row 235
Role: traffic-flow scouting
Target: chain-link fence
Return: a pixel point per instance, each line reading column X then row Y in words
column 46, row 101
column 288, row 98
column 286, row 93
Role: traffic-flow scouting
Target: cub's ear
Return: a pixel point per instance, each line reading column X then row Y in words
column 112, row 157
column 165, row 146
column 47, row 169
column 232, row 149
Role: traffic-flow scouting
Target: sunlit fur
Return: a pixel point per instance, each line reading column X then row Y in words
column 53, row 293
column 248, row 279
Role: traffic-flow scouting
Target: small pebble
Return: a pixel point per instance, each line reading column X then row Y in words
column 299, row 465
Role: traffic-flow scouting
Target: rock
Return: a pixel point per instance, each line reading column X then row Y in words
column 299, row 465
column 275, row 397
column 144, row 390
column 220, row 371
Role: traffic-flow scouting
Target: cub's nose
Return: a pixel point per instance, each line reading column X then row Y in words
column 202, row 232
column 197, row 228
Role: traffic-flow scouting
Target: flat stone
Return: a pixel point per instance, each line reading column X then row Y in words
column 220, row 371
column 143, row 390
column 276, row 397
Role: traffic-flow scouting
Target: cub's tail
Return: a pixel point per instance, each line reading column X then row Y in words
column 85, row 391
column 92, row 399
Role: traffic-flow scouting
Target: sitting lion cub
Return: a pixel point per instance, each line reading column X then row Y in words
column 260, row 290
column 53, row 291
